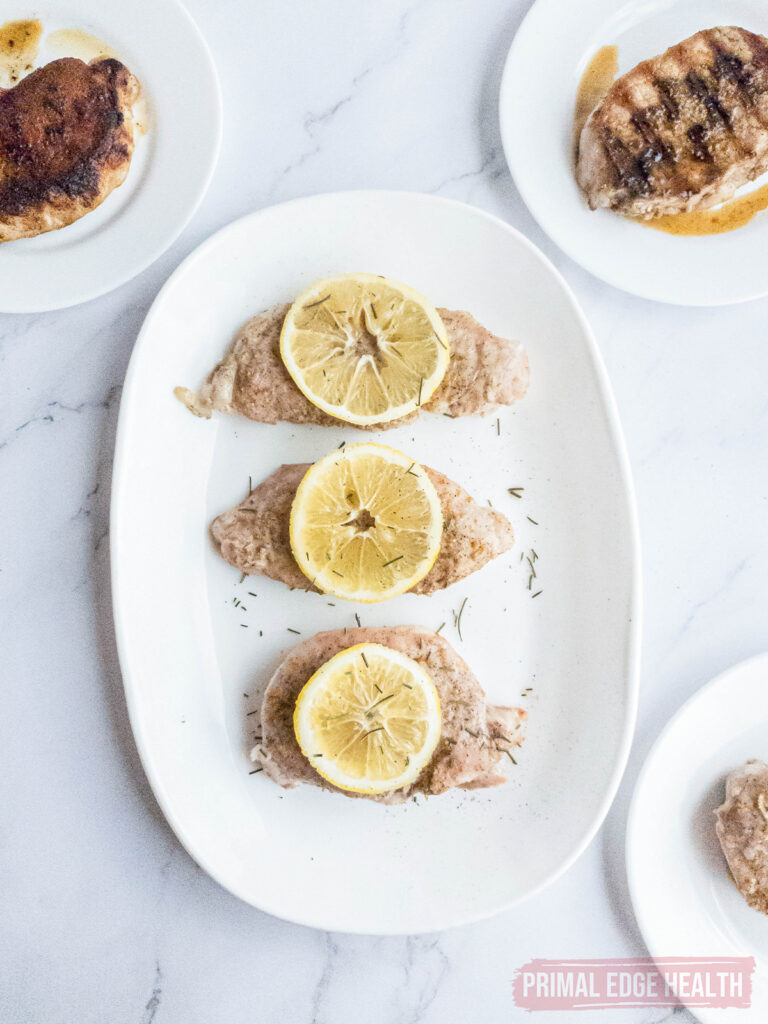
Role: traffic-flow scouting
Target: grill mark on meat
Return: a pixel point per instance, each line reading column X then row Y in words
column 697, row 134
column 728, row 67
column 630, row 172
column 666, row 93
column 633, row 171
column 699, row 88
column 657, row 149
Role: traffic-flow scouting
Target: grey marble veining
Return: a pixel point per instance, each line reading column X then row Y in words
column 105, row 917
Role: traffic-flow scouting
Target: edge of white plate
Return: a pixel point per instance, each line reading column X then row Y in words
column 527, row 27
column 157, row 252
column 633, row 656
column 629, row 855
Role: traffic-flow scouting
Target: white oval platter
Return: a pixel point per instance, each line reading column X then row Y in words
column 194, row 640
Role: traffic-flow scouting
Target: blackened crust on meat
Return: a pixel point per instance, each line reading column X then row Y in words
column 66, row 140
column 681, row 131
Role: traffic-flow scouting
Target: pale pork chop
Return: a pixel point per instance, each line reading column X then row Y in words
column 742, row 828
column 682, row 131
column 474, row 737
column 254, row 536
column 484, row 372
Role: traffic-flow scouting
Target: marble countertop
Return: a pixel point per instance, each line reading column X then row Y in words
column 105, row 917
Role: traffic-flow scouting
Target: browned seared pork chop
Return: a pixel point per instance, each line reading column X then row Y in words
column 254, row 536
column 484, row 373
column 742, row 828
column 682, row 131
column 474, row 738
column 66, row 141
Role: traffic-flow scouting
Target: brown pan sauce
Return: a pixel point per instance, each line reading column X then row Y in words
column 19, row 43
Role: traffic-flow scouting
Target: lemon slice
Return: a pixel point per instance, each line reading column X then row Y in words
column 363, row 348
column 366, row 523
column 369, row 719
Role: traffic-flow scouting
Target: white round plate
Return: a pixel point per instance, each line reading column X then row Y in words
column 671, row 842
column 548, row 57
column 320, row 858
column 171, row 166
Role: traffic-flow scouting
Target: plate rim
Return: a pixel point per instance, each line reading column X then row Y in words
column 631, row 856
column 89, row 294
column 634, row 625
column 525, row 29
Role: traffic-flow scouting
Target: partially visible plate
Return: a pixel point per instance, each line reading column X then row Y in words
column 171, row 167
column 192, row 671
column 548, row 57
column 671, row 842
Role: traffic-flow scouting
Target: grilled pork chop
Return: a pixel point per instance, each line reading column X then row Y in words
column 254, row 536
column 742, row 828
column 474, row 738
column 682, row 131
column 484, row 372
column 66, row 141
